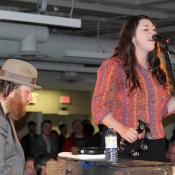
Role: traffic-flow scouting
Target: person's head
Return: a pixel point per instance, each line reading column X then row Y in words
column 29, row 166
column 46, row 127
column 173, row 130
column 129, row 32
column 31, row 126
column 100, row 127
column 17, row 80
column 54, row 134
column 171, row 153
column 41, row 161
column 88, row 129
column 135, row 41
column 63, row 128
column 77, row 126
column 86, row 121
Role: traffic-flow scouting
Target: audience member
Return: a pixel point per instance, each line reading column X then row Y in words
column 29, row 166
column 44, row 143
column 77, row 138
column 172, row 138
column 167, row 143
column 96, row 139
column 41, row 161
column 63, row 131
column 86, row 121
column 88, row 129
column 27, row 140
column 171, row 153
column 55, row 136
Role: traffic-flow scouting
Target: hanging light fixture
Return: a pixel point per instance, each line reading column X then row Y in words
column 70, row 77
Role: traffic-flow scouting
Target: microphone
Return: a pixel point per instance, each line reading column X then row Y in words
column 159, row 38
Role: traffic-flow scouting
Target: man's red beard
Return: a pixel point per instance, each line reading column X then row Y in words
column 16, row 107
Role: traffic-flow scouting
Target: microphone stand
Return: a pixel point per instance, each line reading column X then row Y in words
column 169, row 64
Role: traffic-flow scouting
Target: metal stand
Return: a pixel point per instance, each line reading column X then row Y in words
column 169, row 64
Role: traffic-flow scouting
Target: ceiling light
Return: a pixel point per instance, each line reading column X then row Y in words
column 28, row 56
column 40, row 19
column 87, row 54
column 70, row 77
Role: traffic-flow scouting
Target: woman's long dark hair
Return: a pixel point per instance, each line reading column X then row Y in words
column 126, row 51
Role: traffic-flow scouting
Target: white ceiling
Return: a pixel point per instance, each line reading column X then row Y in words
column 101, row 22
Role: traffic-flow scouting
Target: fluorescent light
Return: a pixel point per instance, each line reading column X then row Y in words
column 86, row 54
column 40, row 19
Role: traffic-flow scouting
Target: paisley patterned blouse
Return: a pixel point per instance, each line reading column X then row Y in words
column 111, row 96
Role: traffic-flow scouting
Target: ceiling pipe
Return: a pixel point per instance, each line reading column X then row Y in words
column 28, row 37
column 57, row 46
column 54, row 45
column 18, row 32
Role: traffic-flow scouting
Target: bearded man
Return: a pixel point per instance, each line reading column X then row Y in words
column 17, row 80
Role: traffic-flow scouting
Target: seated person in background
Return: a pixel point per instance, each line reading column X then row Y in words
column 86, row 121
column 167, row 143
column 78, row 137
column 171, row 153
column 172, row 138
column 27, row 140
column 63, row 131
column 88, row 129
column 55, row 136
column 96, row 139
column 41, row 161
column 29, row 166
column 44, row 143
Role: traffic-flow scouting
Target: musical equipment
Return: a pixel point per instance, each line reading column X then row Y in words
column 159, row 38
column 142, row 126
column 87, row 150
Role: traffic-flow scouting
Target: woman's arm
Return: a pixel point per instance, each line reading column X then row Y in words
column 171, row 105
column 129, row 134
column 108, row 79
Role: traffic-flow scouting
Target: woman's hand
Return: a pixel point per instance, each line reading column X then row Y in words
column 171, row 105
column 129, row 134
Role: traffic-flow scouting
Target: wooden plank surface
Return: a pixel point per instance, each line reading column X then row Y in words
column 66, row 166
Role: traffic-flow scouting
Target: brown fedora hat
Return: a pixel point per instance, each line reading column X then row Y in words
column 20, row 72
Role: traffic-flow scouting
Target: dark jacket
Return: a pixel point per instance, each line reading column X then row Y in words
column 61, row 141
column 39, row 145
column 26, row 142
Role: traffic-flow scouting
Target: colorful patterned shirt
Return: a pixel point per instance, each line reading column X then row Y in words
column 111, row 96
